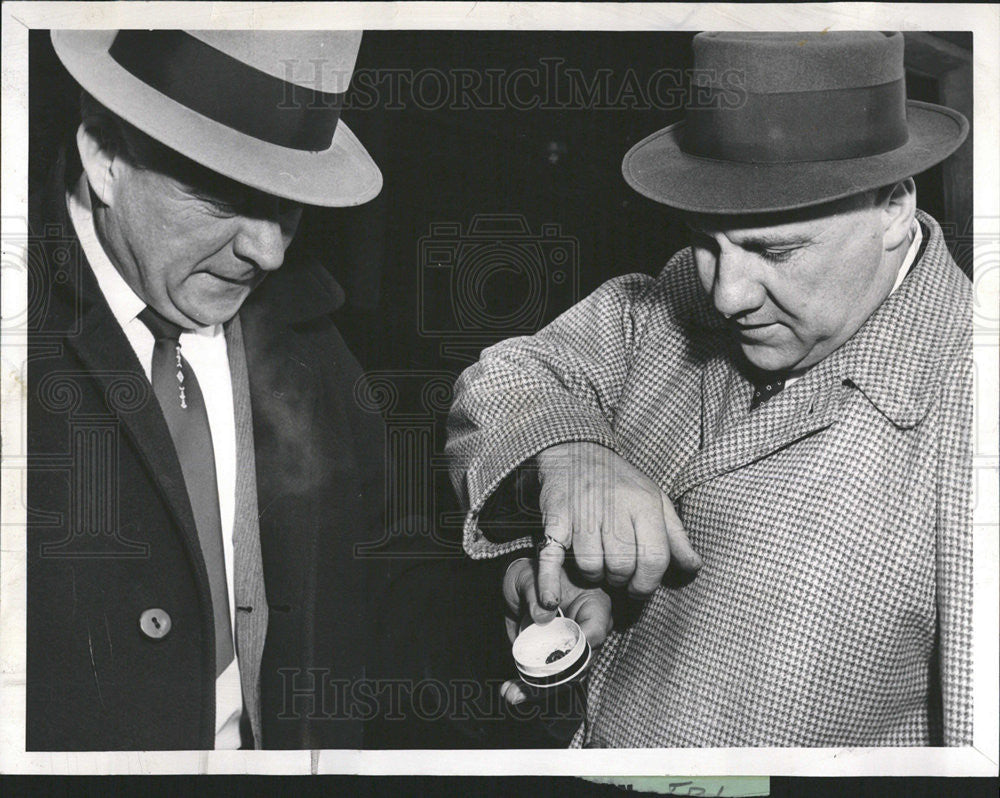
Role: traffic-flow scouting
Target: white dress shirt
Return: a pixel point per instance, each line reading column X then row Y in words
column 206, row 353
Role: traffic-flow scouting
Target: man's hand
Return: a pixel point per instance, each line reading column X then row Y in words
column 588, row 606
column 618, row 523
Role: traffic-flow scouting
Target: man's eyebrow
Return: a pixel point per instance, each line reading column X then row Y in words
column 763, row 240
column 759, row 239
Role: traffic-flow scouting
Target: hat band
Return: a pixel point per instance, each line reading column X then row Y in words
column 799, row 126
column 228, row 91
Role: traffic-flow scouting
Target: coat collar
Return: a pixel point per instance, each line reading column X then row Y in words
column 732, row 436
column 897, row 357
column 896, row 361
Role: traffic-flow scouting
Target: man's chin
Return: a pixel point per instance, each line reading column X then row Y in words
column 769, row 358
column 209, row 314
column 208, row 300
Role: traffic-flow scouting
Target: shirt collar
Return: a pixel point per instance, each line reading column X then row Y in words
column 911, row 255
column 125, row 304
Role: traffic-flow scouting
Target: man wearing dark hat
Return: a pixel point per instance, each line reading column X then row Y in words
column 199, row 469
column 785, row 411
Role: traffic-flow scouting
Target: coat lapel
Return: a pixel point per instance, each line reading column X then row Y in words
column 110, row 362
column 248, row 569
column 108, row 358
column 734, row 437
column 285, row 393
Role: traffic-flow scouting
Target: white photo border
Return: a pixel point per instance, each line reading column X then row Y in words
column 983, row 19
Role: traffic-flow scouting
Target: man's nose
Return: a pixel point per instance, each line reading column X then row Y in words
column 261, row 240
column 736, row 290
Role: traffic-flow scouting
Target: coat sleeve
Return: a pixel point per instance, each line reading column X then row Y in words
column 528, row 393
column 954, row 554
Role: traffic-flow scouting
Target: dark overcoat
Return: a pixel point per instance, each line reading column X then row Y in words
column 110, row 533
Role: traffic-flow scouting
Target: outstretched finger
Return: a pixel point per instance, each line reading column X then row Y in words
column 554, row 504
column 681, row 550
column 527, row 602
column 551, row 557
column 519, row 596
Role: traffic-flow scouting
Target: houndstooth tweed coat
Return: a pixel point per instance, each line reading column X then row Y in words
column 834, row 606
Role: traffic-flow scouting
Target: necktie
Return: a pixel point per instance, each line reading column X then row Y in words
column 183, row 405
column 766, row 387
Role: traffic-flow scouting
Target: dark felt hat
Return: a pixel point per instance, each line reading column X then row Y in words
column 260, row 107
column 778, row 121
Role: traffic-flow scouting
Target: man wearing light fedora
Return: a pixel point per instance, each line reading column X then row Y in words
column 784, row 413
column 199, row 472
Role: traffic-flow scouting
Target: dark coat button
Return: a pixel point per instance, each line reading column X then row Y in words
column 155, row 623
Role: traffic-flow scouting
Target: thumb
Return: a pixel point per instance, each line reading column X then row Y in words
column 592, row 610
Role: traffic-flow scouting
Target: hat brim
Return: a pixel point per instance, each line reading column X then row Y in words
column 657, row 168
column 342, row 175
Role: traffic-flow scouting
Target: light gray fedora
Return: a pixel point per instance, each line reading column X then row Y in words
column 260, row 107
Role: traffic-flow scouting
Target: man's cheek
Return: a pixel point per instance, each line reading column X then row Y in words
column 706, row 273
column 184, row 245
column 811, row 331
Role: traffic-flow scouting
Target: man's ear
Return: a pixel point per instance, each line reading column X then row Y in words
column 99, row 155
column 898, row 205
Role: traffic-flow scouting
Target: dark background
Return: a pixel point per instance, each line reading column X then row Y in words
column 557, row 172
column 550, row 166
